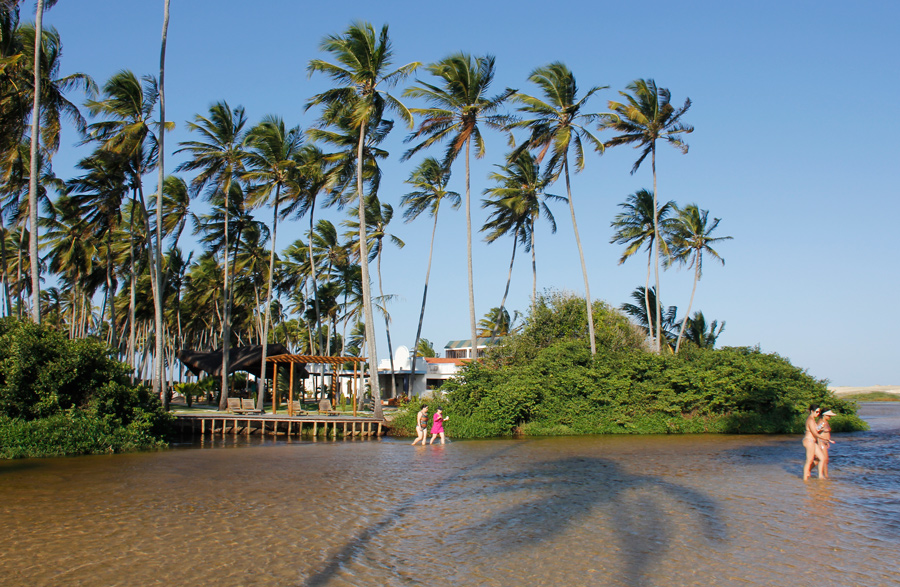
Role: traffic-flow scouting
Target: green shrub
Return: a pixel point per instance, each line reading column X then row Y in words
column 61, row 396
column 545, row 382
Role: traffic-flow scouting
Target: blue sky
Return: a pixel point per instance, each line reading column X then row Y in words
column 783, row 152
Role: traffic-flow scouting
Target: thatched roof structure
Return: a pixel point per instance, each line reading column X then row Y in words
column 243, row 358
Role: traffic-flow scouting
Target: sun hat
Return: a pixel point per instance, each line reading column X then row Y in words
column 828, row 413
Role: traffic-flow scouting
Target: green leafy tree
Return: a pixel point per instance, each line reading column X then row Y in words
column 635, row 227
column 702, row 335
column 219, row 158
column 556, row 125
column 691, row 236
column 430, row 180
column 645, row 117
column 272, row 169
column 458, row 106
column 516, row 202
column 364, row 61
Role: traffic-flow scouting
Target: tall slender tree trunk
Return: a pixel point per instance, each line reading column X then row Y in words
column 650, row 330
column 533, row 268
column 422, row 312
column 387, row 327
column 132, row 301
column 367, row 291
column 587, row 287
column 512, row 260
column 111, row 292
column 226, row 311
column 472, row 324
column 261, row 382
column 690, row 303
column 33, row 174
column 4, row 267
column 160, row 286
column 656, row 253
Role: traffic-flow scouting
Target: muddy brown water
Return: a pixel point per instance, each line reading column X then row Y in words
column 621, row 511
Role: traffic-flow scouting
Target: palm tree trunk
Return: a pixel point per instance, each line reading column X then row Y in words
column 415, row 351
column 533, row 269
column 509, row 275
column 656, row 254
column 367, row 293
column 587, row 288
column 650, row 330
column 691, row 303
column 160, row 286
column 261, row 382
column 474, row 353
column 111, row 294
column 5, row 267
column 33, row 175
column 387, row 327
column 226, row 311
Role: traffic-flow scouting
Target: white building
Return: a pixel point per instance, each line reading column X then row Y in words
column 431, row 373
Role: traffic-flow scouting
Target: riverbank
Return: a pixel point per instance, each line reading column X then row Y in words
column 870, row 393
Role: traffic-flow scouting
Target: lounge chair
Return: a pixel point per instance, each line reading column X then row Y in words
column 247, row 407
column 234, row 405
column 297, row 409
column 326, row 408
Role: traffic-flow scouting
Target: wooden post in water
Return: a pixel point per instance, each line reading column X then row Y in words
column 274, row 386
column 291, row 395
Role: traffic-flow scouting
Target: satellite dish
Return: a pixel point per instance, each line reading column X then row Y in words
column 401, row 357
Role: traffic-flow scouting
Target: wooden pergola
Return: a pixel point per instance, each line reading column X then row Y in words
column 335, row 362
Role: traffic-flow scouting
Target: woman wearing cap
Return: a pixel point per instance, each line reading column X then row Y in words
column 421, row 425
column 824, row 429
column 438, row 426
column 810, row 438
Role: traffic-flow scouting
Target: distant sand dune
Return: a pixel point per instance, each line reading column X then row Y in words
column 854, row 390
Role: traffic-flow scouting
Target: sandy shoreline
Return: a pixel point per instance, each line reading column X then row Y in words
column 842, row 390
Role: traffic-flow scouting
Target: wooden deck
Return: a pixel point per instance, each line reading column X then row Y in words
column 223, row 423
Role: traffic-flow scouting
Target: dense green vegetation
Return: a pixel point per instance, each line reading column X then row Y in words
column 61, row 396
column 544, row 381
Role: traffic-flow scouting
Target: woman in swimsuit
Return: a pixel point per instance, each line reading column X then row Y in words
column 421, row 425
column 810, row 439
column 438, row 427
column 824, row 429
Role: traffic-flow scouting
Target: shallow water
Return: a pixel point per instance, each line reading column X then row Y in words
column 657, row 510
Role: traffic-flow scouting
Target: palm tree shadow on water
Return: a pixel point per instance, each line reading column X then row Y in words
column 552, row 496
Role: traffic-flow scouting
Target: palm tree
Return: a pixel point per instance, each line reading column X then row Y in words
column 430, row 179
column 364, row 62
column 556, row 124
column 635, row 228
column 314, row 180
column 33, row 175
column 425, row 348
column 219, row 156
column 691, row 236
column 378, row 216
column 645, row 117
column 99, row 194
column 158, row 262
column 698, row 333
column 518, row 200
column 457, row 108
column 271, row 166
column 646, row 321
column 127, row 132
column 497, row 322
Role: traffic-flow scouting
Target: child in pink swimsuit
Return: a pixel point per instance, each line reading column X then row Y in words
column 438, row 427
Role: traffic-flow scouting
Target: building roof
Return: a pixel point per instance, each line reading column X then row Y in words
column 448, row 361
